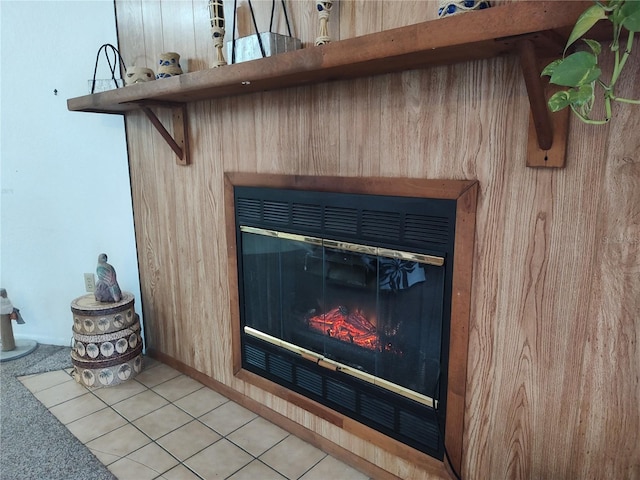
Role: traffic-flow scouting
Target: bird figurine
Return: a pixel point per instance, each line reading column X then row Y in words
column 107, row 288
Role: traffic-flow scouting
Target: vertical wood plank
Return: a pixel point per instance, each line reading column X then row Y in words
column 359, row 18
column 131, row 35
column 407, row 12
column 609, row 401
column 204, row 52
column 178, row 29
column 360, row 141
column 153, row 33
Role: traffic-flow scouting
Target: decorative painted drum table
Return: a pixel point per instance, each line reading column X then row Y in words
column 107, row 343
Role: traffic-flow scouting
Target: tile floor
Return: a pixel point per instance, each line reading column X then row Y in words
column 165, row 425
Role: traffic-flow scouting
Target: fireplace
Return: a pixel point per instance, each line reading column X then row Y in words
column 345, row 298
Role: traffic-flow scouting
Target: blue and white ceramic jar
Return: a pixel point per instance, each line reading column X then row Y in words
column 169, row 65
column 448, row 8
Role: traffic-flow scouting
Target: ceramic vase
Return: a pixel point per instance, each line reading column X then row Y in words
column 169, row 65
column 448, row 8
column 138, row 75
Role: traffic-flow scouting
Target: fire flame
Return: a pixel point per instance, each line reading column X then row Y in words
column 350, row 327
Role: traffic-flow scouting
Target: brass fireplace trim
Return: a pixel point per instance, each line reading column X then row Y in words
column 341, row 367
column 350, row 247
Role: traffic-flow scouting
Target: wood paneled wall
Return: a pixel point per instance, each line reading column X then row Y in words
column 554, row 360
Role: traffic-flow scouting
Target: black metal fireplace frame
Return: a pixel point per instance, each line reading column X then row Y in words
column 465, row 194
column 421, row 225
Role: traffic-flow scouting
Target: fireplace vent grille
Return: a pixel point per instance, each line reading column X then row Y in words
column 256, row 357
column 358, row 219
column 249, row 209
column 276, row 212
column 308, row 380
column 378, row 411
column 307, row 216
column 387, row 413
column 419, row 227
column 383, row 225
column 341, row 220
column 341, row 394
column 418, row 428
column 281, row 368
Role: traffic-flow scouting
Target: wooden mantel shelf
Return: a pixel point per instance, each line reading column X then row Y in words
column 542, row 25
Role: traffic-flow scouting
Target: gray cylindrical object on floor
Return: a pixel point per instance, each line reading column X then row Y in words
column 6, row 333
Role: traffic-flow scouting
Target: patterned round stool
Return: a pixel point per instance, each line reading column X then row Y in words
column 107, row 342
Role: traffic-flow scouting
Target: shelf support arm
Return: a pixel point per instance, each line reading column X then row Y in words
column 178, row 142
column 547, row 144
column 535, row 90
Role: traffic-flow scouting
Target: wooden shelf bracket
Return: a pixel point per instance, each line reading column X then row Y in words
column 179, row 141
column 547, row 144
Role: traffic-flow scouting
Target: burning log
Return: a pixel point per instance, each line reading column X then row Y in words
column 350, row 327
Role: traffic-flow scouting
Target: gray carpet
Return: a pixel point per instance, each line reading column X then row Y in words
column 34, row 445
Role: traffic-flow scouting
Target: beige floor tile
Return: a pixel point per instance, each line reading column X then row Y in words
column 42, row 381
column 60, row 393
column 331, row 468
column 77, row 408
column 188, row 440
column 176, row 388
column 227, row 418
column 97, row 424
column 140, row 405
column 127, row 469
column 162, row 421
column 180, row 473
column 257, row 436
column 129, row 451
column 154, row 457
column 201, row 401
column 256, row 470
column 149, row 362
column 292, row 457
column 105, row 458
column 120, row 442
column 120, row 392
column 156, row 375
column 219, row 460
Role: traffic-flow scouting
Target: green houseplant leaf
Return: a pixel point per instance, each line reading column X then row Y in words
column 559, row 100
column 630, row 13
column 583, row 95
column 587, row 19
column 580, row 72
column 580, row 97
column 577, row 69
column 549, row 69
column 596, row 48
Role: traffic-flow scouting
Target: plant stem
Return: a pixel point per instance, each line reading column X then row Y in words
column 587, row 120
column 625, row 100
column 619, row 64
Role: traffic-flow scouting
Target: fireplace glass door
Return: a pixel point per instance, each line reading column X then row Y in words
column 372, row 313
column 345, row 299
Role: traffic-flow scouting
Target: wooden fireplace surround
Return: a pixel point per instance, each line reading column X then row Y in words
column 465, row 194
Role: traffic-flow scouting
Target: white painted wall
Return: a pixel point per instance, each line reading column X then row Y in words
column 65, row 180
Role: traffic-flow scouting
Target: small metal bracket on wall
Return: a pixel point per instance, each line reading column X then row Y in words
column 179, row 141
column 547, row 144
